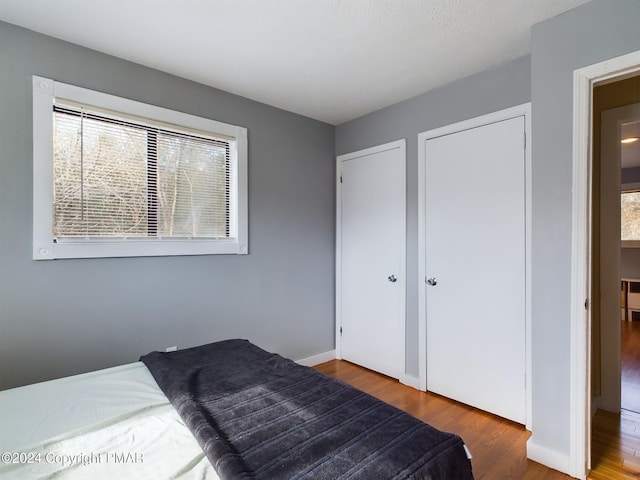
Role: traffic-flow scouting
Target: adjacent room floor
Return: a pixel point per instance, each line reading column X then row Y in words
column 616, row 438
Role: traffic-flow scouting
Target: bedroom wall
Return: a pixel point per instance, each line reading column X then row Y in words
column 589, row 34
column 496, row 89
column 63, row 317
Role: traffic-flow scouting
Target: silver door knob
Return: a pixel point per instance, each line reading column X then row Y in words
column 432, row 281
column 392, row 278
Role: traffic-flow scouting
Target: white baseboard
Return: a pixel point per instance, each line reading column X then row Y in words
column 548, row 457
column 317, row 359
column 405, row 379
column 410, row 380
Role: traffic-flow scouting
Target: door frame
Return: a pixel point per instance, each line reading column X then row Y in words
column 584, row 80
column 506, row 114
column 401, row 146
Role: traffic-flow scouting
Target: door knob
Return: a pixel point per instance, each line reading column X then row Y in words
column 392, row 278
column 432, row 281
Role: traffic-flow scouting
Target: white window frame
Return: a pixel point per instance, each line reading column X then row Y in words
column 45, row 247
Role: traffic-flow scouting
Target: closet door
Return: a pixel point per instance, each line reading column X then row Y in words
column 475, row 267
column 371, row 259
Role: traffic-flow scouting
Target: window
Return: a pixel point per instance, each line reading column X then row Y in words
column 114, row 177
column 630, row 218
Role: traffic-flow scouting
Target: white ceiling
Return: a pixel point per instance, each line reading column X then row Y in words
column 332, row 60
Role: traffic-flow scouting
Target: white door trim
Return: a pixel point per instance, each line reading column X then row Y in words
column 517, row 111
column 580, row 348
column 402, row 284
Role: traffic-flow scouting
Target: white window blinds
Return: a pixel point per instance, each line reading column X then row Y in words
column 118, row 177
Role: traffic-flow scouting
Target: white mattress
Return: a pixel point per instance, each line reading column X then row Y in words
column 112, row 423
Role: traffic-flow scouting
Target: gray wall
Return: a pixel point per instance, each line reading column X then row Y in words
column 584, row 36
column 490, row 91
column 68, row 316
column 630, row 262
column 629, row 175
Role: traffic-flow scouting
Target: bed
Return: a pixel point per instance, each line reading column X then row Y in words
column 225, row 410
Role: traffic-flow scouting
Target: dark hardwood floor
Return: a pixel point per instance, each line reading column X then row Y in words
column 499, row 446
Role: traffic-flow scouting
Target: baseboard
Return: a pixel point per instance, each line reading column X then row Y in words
column 410, row 380
column 317, row 359
column 548, row 457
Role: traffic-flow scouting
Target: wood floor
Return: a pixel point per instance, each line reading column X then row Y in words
column 615, row 441
column 615, row 446
column 499, row 446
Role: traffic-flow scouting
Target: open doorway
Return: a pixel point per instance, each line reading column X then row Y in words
column 584, row 353
column 615, row 321
column 630, row 258
column 615, row 261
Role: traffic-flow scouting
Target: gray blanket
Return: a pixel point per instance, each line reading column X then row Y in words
column 257, row 415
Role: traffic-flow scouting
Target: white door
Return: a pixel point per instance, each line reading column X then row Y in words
column 371, row 258
column 475, row 267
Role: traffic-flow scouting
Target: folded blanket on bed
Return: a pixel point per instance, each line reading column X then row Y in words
column 260, row 416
